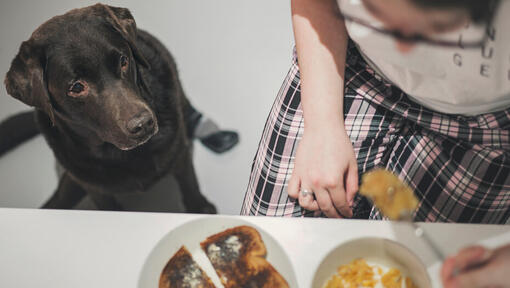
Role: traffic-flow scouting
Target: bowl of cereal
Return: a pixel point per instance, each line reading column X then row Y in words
column 371, row 262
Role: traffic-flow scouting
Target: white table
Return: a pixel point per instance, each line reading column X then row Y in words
column 90, row 249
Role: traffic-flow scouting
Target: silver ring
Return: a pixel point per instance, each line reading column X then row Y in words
column 305, row 193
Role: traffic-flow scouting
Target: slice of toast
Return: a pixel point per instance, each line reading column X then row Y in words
column 182, row 271
column 239, row 257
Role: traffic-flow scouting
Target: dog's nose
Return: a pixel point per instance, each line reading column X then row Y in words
column 141, row 125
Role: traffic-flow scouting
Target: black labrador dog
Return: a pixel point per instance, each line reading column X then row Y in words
column 110, row 105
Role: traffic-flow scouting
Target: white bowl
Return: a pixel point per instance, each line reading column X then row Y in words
column 383, row 252
column 191, row 234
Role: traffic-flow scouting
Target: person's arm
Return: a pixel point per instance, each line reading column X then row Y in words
column 325, row 161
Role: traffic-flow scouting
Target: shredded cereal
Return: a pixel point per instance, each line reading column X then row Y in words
column 358, row 274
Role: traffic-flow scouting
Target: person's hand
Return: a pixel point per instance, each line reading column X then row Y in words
column 477, row 267
column 325, row 164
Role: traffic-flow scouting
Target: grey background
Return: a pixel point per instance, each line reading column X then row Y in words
column 232, row 57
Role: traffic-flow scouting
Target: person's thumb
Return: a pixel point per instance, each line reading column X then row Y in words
column 471, row 256
column 485, row 276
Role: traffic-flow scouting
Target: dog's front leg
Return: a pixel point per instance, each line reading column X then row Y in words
column 68, row 194
column 193, row 200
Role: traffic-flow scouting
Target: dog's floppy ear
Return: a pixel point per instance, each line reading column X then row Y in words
column 124, row 23
column 25, row 79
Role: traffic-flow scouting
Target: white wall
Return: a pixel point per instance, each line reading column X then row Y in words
column 232, row 56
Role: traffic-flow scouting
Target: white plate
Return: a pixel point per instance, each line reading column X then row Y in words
column 191, row 234
column 382, row 252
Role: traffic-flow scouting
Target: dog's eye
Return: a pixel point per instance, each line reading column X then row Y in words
column 123, row 61
column 78, row 89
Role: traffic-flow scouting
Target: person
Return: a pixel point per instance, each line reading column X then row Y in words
column 419, row 87
column 477, row 266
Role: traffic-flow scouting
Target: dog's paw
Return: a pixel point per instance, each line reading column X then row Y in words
column 205, row 208
column 209, row 209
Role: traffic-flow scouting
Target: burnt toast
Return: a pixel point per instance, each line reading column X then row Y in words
column 239, row 257
column 182, row 271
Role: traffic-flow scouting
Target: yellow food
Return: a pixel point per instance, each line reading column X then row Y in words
column 358, row 274
column 392, row 279
column 410, row 283
column 389, row 194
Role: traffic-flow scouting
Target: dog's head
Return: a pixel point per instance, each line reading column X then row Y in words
column 83, row 68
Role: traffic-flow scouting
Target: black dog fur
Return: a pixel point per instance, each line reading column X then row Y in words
column 110, row 105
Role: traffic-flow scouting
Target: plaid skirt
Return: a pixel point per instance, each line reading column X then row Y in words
column 458, row 166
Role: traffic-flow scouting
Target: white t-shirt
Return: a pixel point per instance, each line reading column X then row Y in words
column 449, row 80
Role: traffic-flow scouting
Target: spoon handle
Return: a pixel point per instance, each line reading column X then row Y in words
column 420, row 233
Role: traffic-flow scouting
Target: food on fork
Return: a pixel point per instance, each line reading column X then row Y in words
column 239, row 257
column 390, row 195
column 182, row 271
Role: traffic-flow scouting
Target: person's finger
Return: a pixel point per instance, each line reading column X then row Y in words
column 351, row 182
column 471, row 256
column 338, row 197
column 447, row 269
column 475, row 278
column 293, row 186
column 325, row 203
column 308, row 201
column 405, row 47
column 335, row 187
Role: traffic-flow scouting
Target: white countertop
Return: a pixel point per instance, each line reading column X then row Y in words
column 52, row 248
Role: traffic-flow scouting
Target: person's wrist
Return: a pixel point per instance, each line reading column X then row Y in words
column 326, row 129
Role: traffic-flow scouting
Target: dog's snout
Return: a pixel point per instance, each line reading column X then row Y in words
column 141, row 125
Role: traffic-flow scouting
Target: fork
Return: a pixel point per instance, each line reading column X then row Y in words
column 407, row 217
